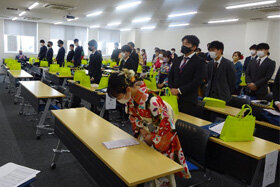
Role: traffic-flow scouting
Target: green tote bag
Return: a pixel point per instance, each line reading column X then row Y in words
column 238, row 128
column 103, row 83
column 171, row 100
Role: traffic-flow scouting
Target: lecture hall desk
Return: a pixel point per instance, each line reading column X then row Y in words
column 242, row 160
column 35, row 91
column 264, row 130
column 83, row 132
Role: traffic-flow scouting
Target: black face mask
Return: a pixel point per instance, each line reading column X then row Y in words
column 58, row 45
column 49, row 45
column 185, row 49
column 90, row 48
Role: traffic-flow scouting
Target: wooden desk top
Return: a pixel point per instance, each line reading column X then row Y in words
column 134, row 164
column 256, row 149
column 41, row 90
column 191, row 119
column 92, row 89
column 60, row 76
column 110, row 71
column 228, row 110
column 18, row 74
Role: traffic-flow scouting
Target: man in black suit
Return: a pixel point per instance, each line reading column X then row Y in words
column 134, row 55
column 95, row 62
column 50, row 52
column 70, row 54
column 77, row 54
column 253, row 52
column 276, row 87
column 174, row 56
column 116, row 53
column 221, row 73
column 43, row 50
column 61, row 53
column 127, row 61
column 186, row 76
column 259, row 72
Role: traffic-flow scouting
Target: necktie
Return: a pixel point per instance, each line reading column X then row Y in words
column 184, row 63
column 258, row 62
column 216, row 64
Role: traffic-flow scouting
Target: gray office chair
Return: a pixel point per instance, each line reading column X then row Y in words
column 194, row 141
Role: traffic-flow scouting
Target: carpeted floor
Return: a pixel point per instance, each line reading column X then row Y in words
column 19, row 145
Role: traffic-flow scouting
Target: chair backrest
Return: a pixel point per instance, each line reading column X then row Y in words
column 194, row 141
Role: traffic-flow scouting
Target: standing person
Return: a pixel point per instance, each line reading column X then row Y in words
column 221, row 73
column 116, row 53
column 50, row 52
column 237, row 56
column 259, row 72
column 138, row 51
column 77, row 54
column 253, row 56
column 95, row 62
column 70, row 54
column 174, row 55
column 162, row 79
column 186, row 76
column 43, row 50
column 127, row 61
column 155, row 55
column 134, row 55
column 144, row 56
column 151, row 118
column 207, row 55
column 61, row 53
column 159, row 61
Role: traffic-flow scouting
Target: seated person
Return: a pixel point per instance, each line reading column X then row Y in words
column 127, row 61
column 20, row 57
column 151, row 118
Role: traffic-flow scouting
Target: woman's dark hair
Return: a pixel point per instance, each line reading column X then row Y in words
column 238, row 54
column 169, row 56
column 119, row 82
column 126, row 48
column 143, row 50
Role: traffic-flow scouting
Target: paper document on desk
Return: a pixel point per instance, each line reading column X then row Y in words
column 217, row 128
column 12, row 175
column 120, row 143
column 273, row 112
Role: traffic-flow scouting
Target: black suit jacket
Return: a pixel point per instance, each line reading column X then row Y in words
column 189, row 80
column 135, row 58
column 260, row 76
column 276, row 87
column 221, row 81
column 60, row 56
column 70, row 56
column 94, row 68
column 50, row 55
column 115, row 55
column 129, row 64
column 78, row 56
column 246, row 62
column 43, row 52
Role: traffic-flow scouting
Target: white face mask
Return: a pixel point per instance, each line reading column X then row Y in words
column 160, row 55
column 123, row 54
column 253, row 52
column 172, row 52
column 260, row 54
column 124, row 100
column 213, row 54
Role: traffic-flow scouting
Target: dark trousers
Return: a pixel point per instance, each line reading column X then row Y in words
column 190, row 108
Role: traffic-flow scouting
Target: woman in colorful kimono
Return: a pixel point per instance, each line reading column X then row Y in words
column 162, row 78
column 151, row 118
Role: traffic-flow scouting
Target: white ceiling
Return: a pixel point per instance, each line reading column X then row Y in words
column 158, row 10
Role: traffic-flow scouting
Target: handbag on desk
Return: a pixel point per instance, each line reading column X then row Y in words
column 170, row 99
column 238, row 128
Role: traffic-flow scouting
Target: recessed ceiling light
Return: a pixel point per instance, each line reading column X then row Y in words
column 182, row 14
column 114, row 24
column 33, row 5
column 15, row 18
column 251, row 4
column 274, row 16
column 126, row 29
column 141, row 20
column 94, row 26
column 223, row 21
column 58, row 23
column 95, row 13
column 179, row 25
column 148, row 28
column 72, row 19
column 128, row 5
column 22, row 13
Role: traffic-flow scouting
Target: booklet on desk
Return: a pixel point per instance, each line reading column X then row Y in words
column 120, row 143
column 12, row 175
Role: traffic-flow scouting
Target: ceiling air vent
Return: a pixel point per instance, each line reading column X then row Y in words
column 256, row 19
column 58, row 7
column 267, row 9
column 32, row 18
column 14, row 9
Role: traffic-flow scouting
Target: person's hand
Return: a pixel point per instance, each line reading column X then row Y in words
column 143, row 132
column 174, row 91
column 72, row 61
column 54, row 60
column 148, row 139
column 252, row 86
column 92, row 79
column 160, row 85
column 278, row 106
